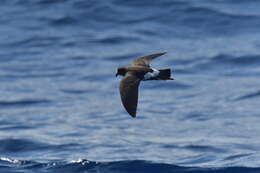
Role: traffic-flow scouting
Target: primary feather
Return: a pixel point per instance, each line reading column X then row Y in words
column 145, row 60
column 129, row 93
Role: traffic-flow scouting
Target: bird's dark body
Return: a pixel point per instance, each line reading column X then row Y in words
column 133, row 75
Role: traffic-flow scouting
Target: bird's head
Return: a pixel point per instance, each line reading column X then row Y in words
column 121, row 71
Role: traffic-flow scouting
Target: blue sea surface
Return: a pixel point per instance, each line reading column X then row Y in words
column 60, row 108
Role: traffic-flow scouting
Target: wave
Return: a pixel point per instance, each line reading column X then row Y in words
column 8, row 146
column 223, row 64
column 83, row 165
column 248, row 96
column 24, row 102
column 240, row 60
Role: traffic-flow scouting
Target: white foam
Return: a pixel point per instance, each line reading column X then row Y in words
column 81, row 161
column 9, row 160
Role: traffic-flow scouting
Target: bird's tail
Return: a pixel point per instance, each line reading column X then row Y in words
column 165, row 74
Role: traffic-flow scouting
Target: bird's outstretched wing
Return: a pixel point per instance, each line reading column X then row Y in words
column 145, row 60
column 129, row 92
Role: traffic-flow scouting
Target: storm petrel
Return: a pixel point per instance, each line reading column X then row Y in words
column 140, row 70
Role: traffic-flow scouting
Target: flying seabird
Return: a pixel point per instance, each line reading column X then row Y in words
column 140, row 70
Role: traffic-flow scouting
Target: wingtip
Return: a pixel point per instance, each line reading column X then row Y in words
column 160, row 53
column 133, row 115
column 163, row 53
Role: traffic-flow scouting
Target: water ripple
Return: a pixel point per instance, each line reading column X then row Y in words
column 58, row 60
column 22, row 103
column 249, row 96
column 83, row 165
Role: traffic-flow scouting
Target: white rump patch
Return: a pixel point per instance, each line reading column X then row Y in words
column 151, row 74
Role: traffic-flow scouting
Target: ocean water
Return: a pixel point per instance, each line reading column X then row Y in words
column 60, row 109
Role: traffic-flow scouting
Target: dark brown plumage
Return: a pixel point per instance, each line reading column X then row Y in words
column 145, row 60
column 129, row 93
column 133, row 75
